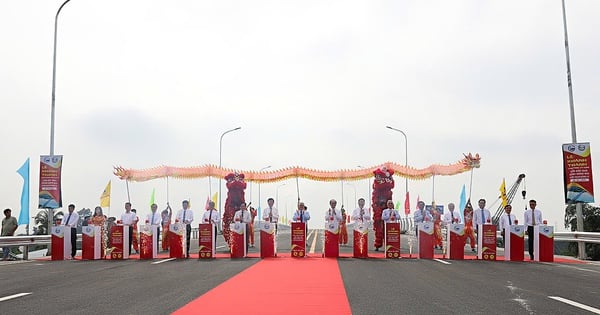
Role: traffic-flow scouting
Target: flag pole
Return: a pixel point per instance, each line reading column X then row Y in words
column 471, row 184
column 297, row 189
column 127, row 185
column 168, row 190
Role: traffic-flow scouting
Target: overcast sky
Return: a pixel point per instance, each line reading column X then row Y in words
column 311, row 83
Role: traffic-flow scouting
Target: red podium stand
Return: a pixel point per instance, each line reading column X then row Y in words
column 486, row 242
column 206, row 241
column 237, row 240
column 543, row 243
column 514, row 243
column 456, row 241
column 268, row 244
column 426, row 240
column 91, row 242
column 391, row 240
column 361, row 240
column 61, row 242
column 298, row 239
column 332, row 240
column 148, row 250
column 119, row 242
column 176, row 240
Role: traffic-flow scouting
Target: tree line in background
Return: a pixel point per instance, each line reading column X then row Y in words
column 591, row 223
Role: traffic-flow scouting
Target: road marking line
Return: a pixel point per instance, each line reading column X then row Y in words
column 573, row 303
column 443, row 261
column 162, row 261
column 14, row 296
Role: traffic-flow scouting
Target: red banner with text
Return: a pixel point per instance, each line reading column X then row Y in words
column 50, row 195
column 577, row 166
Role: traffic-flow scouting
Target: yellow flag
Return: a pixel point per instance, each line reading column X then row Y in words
column 105, row 197
column 215, row 198
column 503, row 193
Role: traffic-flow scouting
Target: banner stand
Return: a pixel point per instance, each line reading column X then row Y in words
column 298, row 239
column 268, row 241
column 486, row 242
column 514, row 243
column 91, row 242
column 206, row 241
column 426, row 240
column 391, row 240
column 361, row 240
column 61, row 242
column 331, row 243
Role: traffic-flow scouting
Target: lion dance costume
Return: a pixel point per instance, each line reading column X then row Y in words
column 382, row 192
column 235, row 196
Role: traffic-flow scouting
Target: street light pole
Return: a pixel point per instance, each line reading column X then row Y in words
column 578, row 205
column 260, row 200
column 52, row 110
column 277, row 195
column 220, row 156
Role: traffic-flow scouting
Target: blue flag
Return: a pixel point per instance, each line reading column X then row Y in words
column 24, row 172
column 463, row 203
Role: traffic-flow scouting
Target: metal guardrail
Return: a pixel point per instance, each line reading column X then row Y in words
column 585, row 237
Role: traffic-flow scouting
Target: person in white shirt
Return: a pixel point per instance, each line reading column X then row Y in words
column 361, row 214
column 421, row 215
column 212, row 216
column 301, row 215
column 481, row 215
column 506, row 220
column 71, row 220
column 451, row 217
column 271, row 214
column 390, row 215
column 154, row 218
column 532, row 217
column 128, row 219
column 186, row 216
column 333, row 214
column 243, row 216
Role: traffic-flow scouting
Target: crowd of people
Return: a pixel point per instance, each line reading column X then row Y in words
column 246, row 215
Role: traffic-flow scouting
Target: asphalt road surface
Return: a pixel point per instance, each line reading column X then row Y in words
column 373, row 286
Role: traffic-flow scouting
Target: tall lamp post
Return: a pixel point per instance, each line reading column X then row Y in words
column 220, row 156
column 405, row 156
column 277, row 195
column 260, row 200
column 52, row 111
column 578, row 205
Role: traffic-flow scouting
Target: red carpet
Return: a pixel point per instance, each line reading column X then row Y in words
column 284, row 285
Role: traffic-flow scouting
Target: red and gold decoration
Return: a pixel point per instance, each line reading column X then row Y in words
column 392, row 240
column 466, row 164
column 332, row 239
column 361, row 240
column 235, row 196
column 382, row 192
column 486, row 242
column 298, row 239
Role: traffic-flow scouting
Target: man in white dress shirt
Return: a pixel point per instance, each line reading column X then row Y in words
column 243, row 216
column 361, row 214
column 154, row 218
column 71, row 220
column 421, row 215
column 128, row 219
column 390, row 215
column 186, row 216
column 212, row 216
column 506, row 220
column 333, row 214
column 533, row 217
column 451, row 216
column 481, row 215
column 271, row 214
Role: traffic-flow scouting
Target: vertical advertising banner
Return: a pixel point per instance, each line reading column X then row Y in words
column 298, row 239
column 392, row 240
column 486, row 242
column 577, row 173
column 50, row 196
column 206, row 241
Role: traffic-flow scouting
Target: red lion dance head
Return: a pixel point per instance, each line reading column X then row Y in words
column 235, row 196
column 382, row 192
